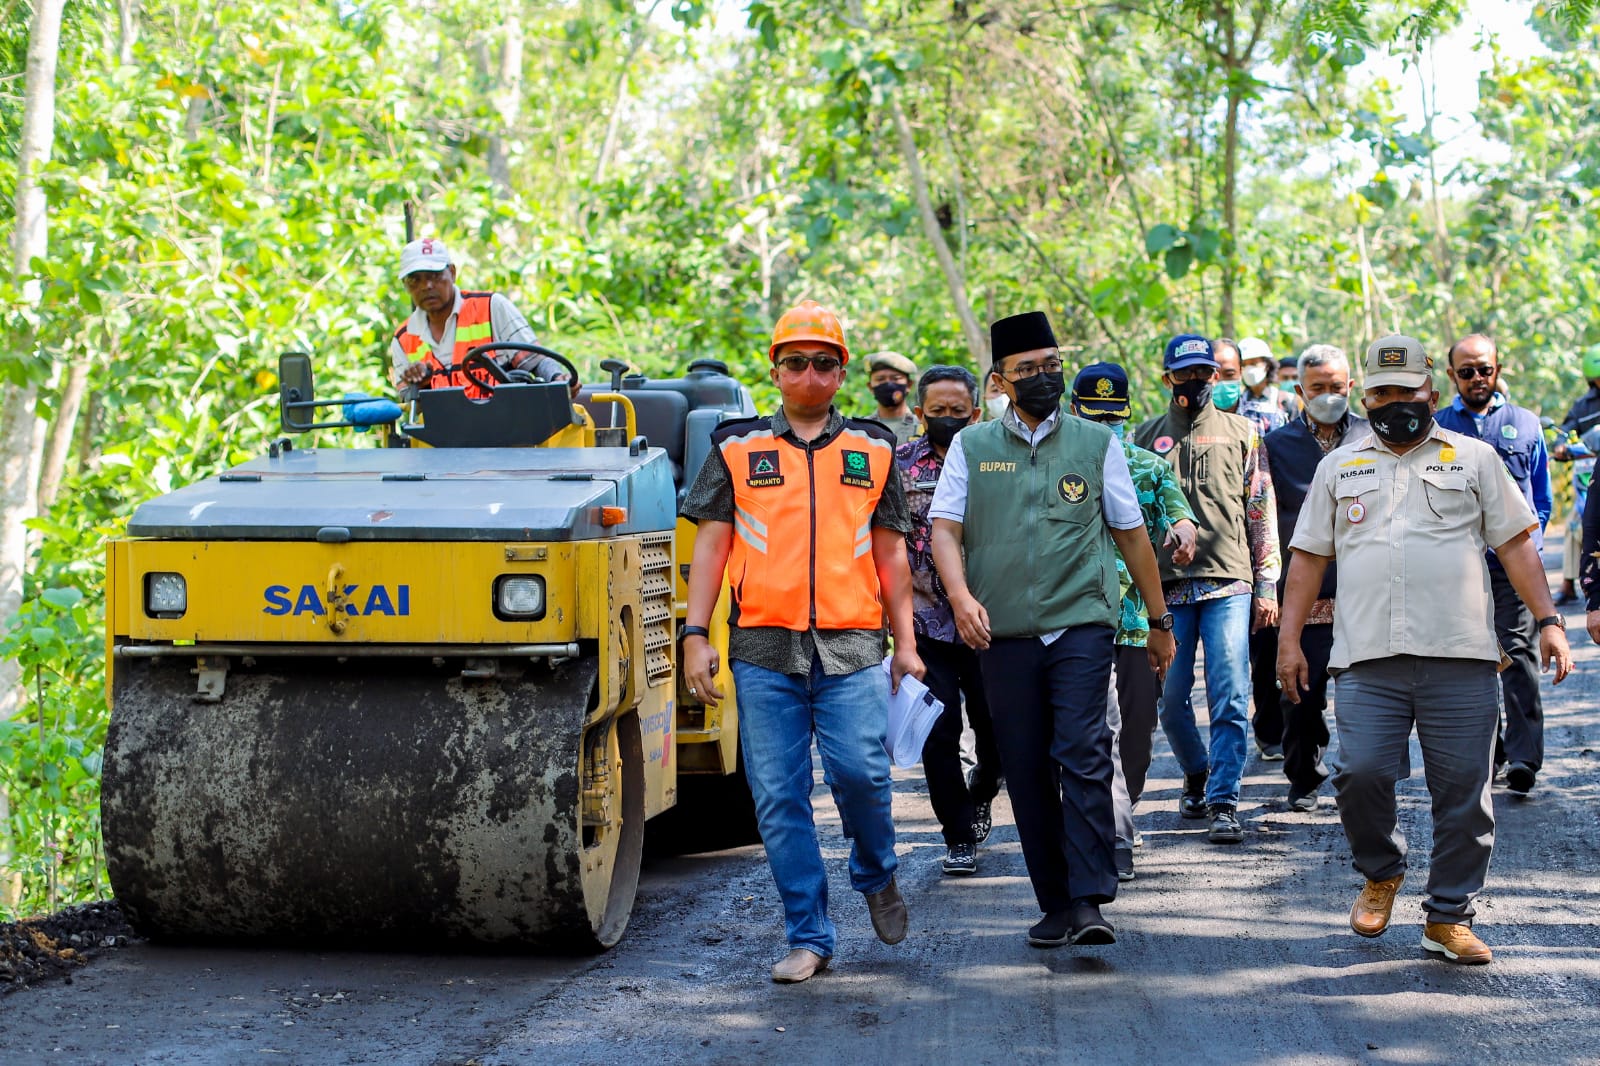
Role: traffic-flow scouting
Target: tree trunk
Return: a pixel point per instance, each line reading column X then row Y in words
column 1230, row 171
column 506, row 96
column 63, row 433
column 977, row 343
column 127, row 30
column 18, row 484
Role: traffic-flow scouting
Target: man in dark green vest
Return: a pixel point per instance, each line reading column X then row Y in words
column 1038, row 502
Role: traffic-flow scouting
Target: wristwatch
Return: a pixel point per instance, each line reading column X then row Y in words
column 1163, row 623
column 693, row 631
column 1554, row 620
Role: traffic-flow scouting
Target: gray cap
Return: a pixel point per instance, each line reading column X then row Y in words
column 1397, row 360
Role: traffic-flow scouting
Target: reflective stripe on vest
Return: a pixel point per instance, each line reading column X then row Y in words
column 802, row 545
column 473, row 327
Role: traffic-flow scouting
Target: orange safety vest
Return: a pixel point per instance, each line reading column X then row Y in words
column 802, row 522
column 473, row 327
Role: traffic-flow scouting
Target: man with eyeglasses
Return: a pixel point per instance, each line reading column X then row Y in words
column 1028, row 516
column 804, row 512
column 1227, row 590
column 446, row 323
column 1480, row 411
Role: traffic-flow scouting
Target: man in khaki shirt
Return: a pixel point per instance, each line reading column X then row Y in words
column 1408, row 511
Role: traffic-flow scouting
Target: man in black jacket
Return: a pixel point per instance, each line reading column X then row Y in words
column 1293, row 452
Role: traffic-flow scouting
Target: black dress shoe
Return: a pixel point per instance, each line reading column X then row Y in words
column 1051, row 931
column 1088, row 927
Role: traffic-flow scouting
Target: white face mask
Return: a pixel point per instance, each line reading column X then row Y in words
column 1327, row 408
column 997, row 405
column 1253, row 374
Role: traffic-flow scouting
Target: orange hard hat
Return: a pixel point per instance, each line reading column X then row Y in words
column 809, row 321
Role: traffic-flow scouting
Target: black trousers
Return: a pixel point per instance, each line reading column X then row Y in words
column 1521, row 738
column 1048, row 703
column 1268, row 719
column 953, row 673
column 1139, row 697
column 1305, row 727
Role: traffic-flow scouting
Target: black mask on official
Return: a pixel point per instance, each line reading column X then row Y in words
column 889, row 393
column 1401, row 423
column 943, row 429
column 1197, row 393
column 1041, row 394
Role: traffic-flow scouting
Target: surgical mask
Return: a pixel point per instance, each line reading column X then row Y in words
column 1119, row 426
column 1328, row 408
column 1401, row 423
column 997, row 406
column 889, row 393
column 942, row 429
column 1225, row 394
column 1254, row 374
column 1041, row 394
column 1192, row 395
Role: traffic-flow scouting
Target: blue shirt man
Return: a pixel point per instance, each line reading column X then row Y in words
column 1514, row 432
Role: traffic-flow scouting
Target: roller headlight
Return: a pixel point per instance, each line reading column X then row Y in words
column 519, row 597
column 166, row 595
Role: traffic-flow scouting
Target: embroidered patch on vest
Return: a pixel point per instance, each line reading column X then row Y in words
column 1163, row 445
column 764, row 471
column 1073, row 488
column 857, row 471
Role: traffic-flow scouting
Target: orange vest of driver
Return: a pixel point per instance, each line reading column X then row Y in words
column 473, row 328
column 802, row 524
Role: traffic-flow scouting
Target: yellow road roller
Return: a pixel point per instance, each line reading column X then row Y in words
column 420, row 692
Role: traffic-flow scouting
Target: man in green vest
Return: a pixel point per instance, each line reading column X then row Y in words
column 1039, row 503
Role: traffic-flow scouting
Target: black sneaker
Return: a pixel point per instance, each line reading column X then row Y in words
column 961, row 860
column 1225, row 827
column 1304, row 802
column 1089, row 928
column 1051, row 931
column 1125, row 864
column 1192, row 804
column 982, row 821
column 1270, row 752
column 1520, row 778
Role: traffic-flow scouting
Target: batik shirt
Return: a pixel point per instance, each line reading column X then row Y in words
column 1269, row 411
column 1162, row 501
column 931, row 613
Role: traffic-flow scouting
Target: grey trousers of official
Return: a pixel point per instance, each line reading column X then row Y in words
column 1454, row 704
column 1515, row 627
column 1121, row 805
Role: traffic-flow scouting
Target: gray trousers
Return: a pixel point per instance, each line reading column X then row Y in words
column 1454, row 704
column 1121, row 804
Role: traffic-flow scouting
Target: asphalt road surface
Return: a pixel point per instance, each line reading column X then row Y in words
column 1224, row 955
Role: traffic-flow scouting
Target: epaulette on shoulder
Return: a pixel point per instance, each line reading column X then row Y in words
column 873, row 428
column 733, row 427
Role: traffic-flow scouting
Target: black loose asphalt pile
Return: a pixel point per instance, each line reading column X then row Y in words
column 40, row 949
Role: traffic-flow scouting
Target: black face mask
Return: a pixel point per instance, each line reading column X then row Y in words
column 1041, row 394
column 942, row 430
column 1401, row 423
column 1197, row 393
column 889, row 393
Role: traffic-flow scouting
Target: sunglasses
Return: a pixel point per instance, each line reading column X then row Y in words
column 1467, row 373
column 822, row 364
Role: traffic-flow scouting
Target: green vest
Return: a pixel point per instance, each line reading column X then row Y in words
column 1209, row 453
column 1039, row 552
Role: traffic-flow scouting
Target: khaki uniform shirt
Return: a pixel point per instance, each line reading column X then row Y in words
column 1409, row 533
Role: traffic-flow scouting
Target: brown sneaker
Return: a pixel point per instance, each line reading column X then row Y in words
column 1370, row 914
column 888, row 912
column 798, row 965
column 1457, row 943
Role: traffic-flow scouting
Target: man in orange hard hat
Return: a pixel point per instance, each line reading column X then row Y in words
column 804, row 511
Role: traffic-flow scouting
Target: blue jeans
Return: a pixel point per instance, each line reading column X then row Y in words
column 848, row 714
column 1224, row 625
